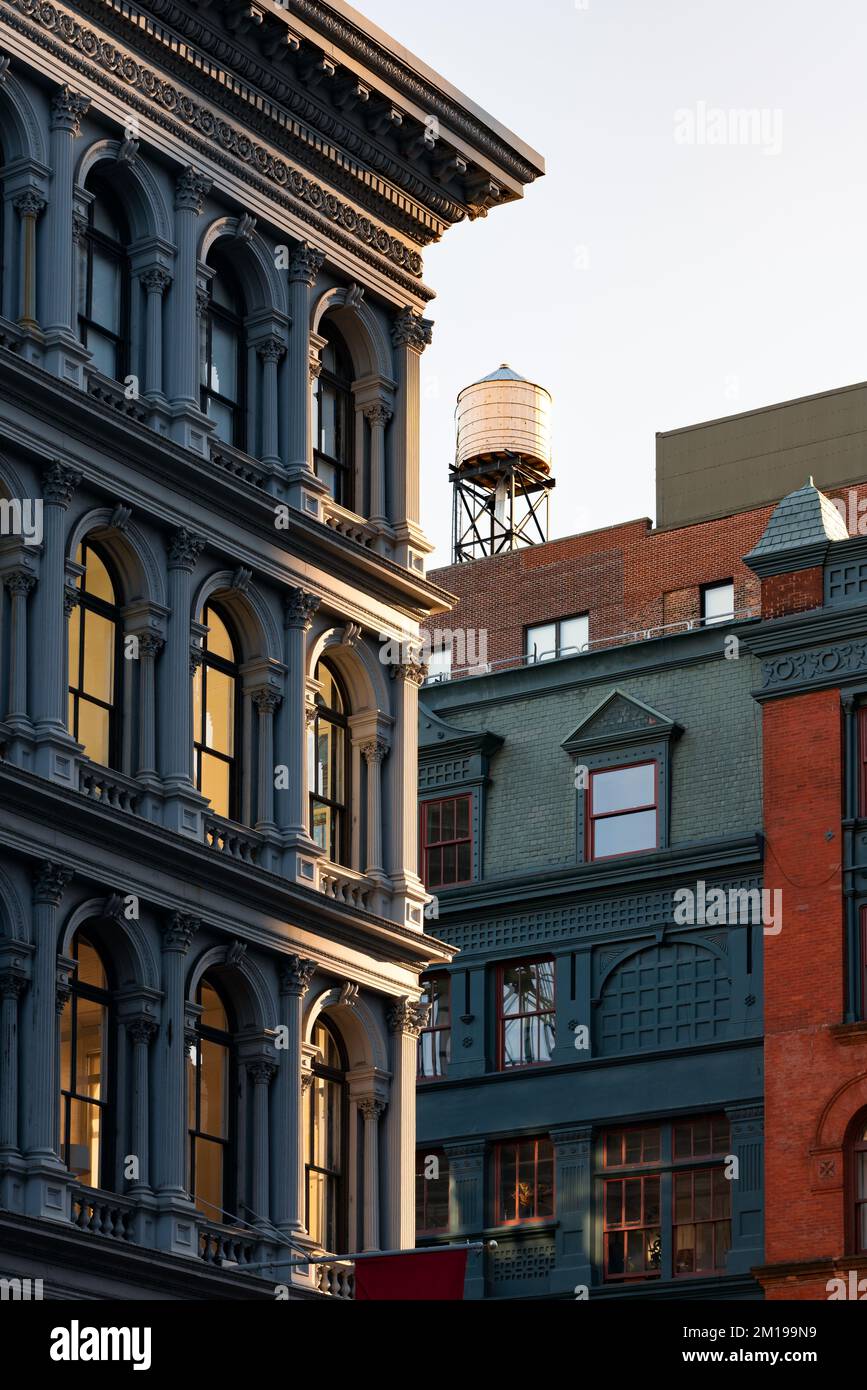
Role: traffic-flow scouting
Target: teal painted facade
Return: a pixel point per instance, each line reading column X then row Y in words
column 672, row 1011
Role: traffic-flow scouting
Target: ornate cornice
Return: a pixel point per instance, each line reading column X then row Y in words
column 383, row 63
column 200, row 128
column 349, row 157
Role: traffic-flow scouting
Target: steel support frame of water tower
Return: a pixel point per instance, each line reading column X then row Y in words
column 499, row 507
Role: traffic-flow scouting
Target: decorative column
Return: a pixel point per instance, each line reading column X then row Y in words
column 467, row 1163
column 573, row 1152
column 372, row 1110
column 141, row 1033
column 12, row 985
column 55, row 747
column 377, row 417
column 288, row 1158
column 299, row 610
column 266, row 702
column 67, row 109
column 374, row 755
column 41, row 1081
column 28, row 205
column 183, row 805
column 155, row 282
column 261, row 1073
column 171, row 1107
column 149, row 647
column 411, row 334
column 305, row 488
column 182, row 387
column 19, row 584
column 270, row 350
column 406, row 1020
column 410, row 896
column 748, row 1147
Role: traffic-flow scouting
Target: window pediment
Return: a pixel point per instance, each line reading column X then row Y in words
column 621, row 719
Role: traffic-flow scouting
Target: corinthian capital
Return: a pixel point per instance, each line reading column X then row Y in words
column 412, row 672
column 156, row 280
column 295, row 975
column 178, row 932
column 185, row 549
column 67, row 109
column 191, row 190
column 305, row 264
column 408, row 1017
column 49, row 882
column 300, row 608
column 29, row 203
column 411, row 330
column 59, row 484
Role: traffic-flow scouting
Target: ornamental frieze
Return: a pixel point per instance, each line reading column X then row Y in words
column 822, row 665
column 324, row 121
column 179, row 114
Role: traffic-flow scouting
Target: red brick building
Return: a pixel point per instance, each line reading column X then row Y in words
column 814, row 653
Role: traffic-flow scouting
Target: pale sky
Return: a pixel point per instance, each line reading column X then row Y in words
column 649, row 282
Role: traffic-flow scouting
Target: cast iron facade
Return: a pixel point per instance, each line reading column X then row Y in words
column 211, row 920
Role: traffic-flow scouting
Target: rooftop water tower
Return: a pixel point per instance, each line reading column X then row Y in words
column 502, row 470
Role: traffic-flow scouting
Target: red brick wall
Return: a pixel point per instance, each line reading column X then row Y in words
column 807, row 1064
column 628, row 578
column 798, row 592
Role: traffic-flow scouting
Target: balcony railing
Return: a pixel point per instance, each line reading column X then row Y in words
column 111, row 393
column 226, row 1245
column 345, row 523
column 225, row 838
column 239, row 465
column 103, row 1213
column 109, row 789
column 345, row 886
column 336, row 1280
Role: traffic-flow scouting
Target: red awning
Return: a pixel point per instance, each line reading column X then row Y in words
column 417, row 1278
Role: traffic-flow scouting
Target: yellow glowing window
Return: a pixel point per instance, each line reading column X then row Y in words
column 93, row 659
column 215, row 687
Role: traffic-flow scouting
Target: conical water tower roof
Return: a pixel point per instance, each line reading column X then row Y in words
column 504, row 373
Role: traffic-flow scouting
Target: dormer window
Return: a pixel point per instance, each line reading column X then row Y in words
column 623, row 811
column 622, row 757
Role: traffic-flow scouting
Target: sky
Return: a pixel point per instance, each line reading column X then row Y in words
column 677, row 263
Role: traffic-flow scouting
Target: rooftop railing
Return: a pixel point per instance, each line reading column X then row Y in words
column 621, row 639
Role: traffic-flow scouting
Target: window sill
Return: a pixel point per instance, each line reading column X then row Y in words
column 849, row 1034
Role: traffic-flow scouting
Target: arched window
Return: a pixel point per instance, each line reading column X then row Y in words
column 103, row 283
column 211, row 1070
column 856, row 1162
column 85, row 1031
column 94, row 667
column 325, row 1132
column 334, row 419
column 222, row 354
column 329, row 767
column 215, row 718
